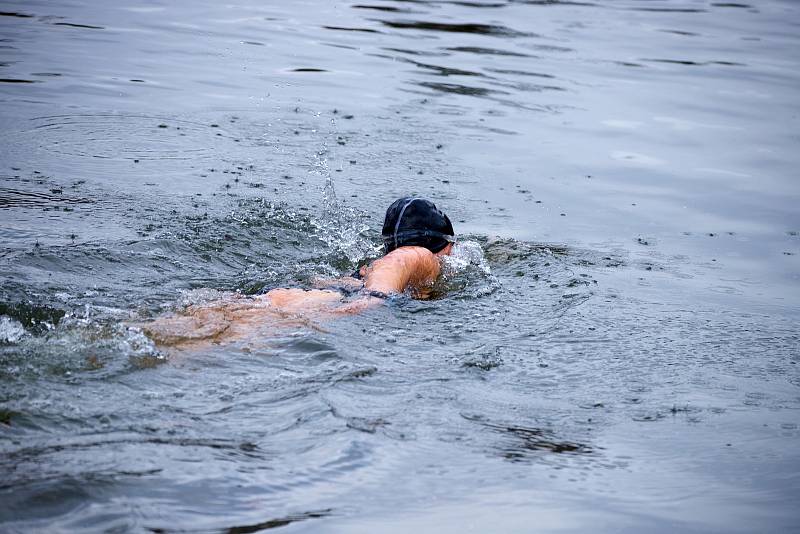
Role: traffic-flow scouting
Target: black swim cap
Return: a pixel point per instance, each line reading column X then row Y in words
column 414, row 221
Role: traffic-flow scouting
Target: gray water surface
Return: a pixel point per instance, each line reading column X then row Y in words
column 629, row 362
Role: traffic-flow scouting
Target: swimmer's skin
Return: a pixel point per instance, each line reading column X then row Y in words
column 411, row 269
column 236, row 317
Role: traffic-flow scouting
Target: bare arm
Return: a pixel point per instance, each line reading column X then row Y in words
column 404, row 268
column 413, row 268
column 237, row 318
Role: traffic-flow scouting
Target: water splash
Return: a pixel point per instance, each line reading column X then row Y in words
column 466, row 272
column 11, row 330
column 343, row 229
column 465, row 254
column 79, row 343
column 193, row 297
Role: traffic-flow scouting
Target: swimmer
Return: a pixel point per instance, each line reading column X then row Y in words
column 416, row 234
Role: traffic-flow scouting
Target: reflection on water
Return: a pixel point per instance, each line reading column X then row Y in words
column 612, row 347
column 276, row 523
column 521, row 443
column 483, row 29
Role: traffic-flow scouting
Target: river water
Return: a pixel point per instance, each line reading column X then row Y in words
column 625, row 360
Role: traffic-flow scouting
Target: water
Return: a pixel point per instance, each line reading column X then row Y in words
column 614, row 349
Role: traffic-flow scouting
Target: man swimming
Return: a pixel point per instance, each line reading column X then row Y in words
column 415, row 235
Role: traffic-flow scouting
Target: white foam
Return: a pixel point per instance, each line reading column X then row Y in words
column 11, row 330
column 465, row 254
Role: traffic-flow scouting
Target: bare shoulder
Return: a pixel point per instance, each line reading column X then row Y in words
column 413, row 260
column 401, row 269
column 412, row 254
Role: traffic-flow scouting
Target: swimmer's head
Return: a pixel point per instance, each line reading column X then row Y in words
column 414, row 221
